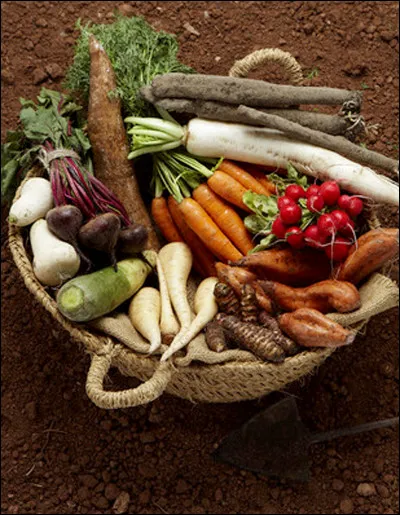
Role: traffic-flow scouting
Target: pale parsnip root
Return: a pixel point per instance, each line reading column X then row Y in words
column 206, row 308
column 176, row 260
column 169, row 326
column 144, row 313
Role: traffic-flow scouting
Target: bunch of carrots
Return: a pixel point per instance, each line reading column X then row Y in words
column 209, row 221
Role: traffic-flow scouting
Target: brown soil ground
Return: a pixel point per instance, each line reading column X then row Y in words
column 62, row 454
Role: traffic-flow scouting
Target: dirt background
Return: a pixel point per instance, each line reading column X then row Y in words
column 59, row 452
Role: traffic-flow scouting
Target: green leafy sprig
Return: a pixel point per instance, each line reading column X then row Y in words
column 137, row 53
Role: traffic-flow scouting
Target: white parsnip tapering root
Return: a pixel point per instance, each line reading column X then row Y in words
column 206, row 307
column 169, row 326
column 176, row 260
column 144, row 313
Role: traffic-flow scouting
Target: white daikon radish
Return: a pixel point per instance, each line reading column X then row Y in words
column 260, row 145
column 54, row 261
column 144, row 313
column 206, row 307
column 264, row 146
column 35, row 200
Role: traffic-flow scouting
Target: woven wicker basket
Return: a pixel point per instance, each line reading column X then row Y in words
column 227, row 382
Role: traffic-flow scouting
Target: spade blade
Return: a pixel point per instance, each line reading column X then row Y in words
column 274, row 443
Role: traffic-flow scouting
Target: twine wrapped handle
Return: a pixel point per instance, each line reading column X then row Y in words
column 242, row 67
column 143, row 394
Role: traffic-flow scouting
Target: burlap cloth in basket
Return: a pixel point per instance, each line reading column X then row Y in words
column 197, row 374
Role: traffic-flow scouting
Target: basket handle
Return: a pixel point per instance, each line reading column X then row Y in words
column 143, row 394
column 242, row 67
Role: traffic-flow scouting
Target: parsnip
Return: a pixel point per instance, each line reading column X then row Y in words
column 144, row 313
column 206, row 307
column 176, row 260
column 169, row 326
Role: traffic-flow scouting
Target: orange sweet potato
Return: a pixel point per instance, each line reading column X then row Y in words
column 373, row 250
column 288, row 266
column 310, row 328
column 324, row 296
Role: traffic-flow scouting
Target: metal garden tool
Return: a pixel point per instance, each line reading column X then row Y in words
column 275, row 442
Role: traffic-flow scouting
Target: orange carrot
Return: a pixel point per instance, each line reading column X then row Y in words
column 225, row 217
column 211, row 235
column 245, row 178
column 262, row 178
column 228, row 188
column 203, row 259
column 164, row 221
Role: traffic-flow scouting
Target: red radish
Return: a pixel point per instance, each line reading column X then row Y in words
column 291, row 214
column 340, row 218
column 355, row 206
column 326, row 225
column 343, row 201
column 295, row 191
column 313, row 237
column 348, row 230
column 315, row 203
column 285, row 201
column 295, row 237
column 330, row 192
column 339, row 249
column 312, row 190
column 278, row 228
column 343, row 223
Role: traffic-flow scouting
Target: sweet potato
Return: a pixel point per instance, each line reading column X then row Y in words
column 109, row 142
column 323, row 296
column 287, row 265
column 310, row 328
column 373, row 250
column 263, row 299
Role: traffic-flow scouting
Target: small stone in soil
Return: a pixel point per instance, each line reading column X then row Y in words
column 39, row 75
column 111, row 491
column 54, row 70
column 383, row 491
column 366, row 489
column 121, row 503
column 337, row 485
column 346, row 506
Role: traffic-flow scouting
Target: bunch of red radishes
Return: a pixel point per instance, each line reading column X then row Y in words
column 334, row 218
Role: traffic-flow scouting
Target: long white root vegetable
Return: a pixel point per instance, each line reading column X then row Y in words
column 264, row 146
column 176, row 260
column 144, row 313
column 260, row 145
column 206, row 308
column 169, row 326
